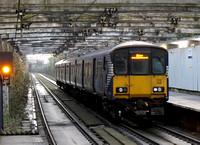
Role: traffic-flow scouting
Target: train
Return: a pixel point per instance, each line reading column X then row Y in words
column 131, row 77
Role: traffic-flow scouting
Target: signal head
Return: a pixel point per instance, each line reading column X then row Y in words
column 6, row 69
column 6, row 66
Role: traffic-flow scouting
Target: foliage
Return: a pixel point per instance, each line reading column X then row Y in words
column 18, row 99
column 51, row 67
column 45, row 68
column 11, row 124
column 183, row 35
column 196, row 18
column 197, row 26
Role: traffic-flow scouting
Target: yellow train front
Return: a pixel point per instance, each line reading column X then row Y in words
column 128, row 78
column 139, row 80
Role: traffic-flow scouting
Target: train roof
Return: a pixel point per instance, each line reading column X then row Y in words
column 98, row 53
column 59, row 62
column 134, row 44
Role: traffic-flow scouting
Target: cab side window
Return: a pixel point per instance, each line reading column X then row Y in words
column 121, row 62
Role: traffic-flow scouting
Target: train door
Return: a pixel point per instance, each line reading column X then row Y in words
column 65, row 72
column 59, row 72
column 56, row 72
column 140, row 80
column 104, row 75
column 75, row 72
column 93, row 76
column 121, row 81
column 82, row 74
column 70, row 73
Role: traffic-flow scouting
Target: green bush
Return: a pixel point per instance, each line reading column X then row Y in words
column 45, row 68
column 18, row 99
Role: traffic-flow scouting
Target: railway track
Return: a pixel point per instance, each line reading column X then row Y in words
column 147, row 140
column 178, row 134
column 156, row 134
column 161, row 134
column 90, row 137
column 45, row 123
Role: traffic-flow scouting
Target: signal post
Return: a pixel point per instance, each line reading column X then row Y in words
column 6, row 67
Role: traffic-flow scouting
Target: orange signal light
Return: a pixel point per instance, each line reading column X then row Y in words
column 139, row 56
column 6, row 69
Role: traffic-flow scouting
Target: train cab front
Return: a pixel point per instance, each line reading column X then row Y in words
column 140, row 80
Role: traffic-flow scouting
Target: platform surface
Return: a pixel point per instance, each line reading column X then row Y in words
column 22, row 140
column 187, row 101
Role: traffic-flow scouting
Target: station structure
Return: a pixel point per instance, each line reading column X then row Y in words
column 81, row 26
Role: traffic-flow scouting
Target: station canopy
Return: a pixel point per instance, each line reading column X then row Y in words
column 76, row 27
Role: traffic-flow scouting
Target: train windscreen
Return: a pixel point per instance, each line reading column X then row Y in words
column 137, row 61
column 159, row 62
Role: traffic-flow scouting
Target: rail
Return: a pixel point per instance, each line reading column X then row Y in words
column 178, row 134
column 93, row 139
column 141, row 136
column 50, row 135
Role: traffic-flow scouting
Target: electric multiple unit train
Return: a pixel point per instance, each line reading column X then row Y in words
column 130, row 77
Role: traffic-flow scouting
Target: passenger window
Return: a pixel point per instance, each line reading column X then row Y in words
column 121, row 62
column 90, row 69
column 86, row 69
column 72, row 70
column 99, row 69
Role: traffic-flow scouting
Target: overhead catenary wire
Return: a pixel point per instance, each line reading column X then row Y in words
column 86, row 9
column 17, row 18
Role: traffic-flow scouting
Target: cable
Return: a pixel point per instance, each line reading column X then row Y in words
column 17, row 18
column 86, row 9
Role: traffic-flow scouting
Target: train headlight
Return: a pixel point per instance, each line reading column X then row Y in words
column 155, row 89
column 158, row 89
column 121, row 89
